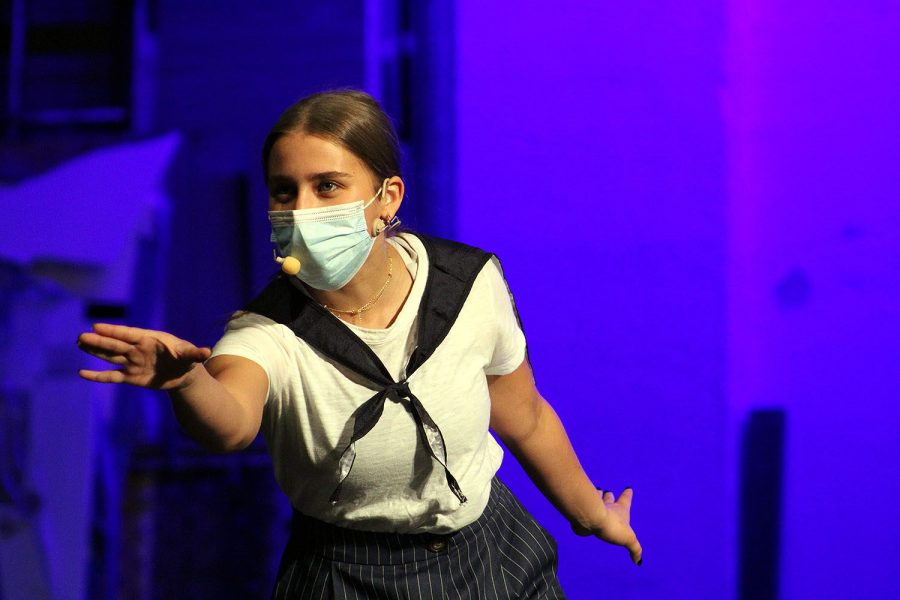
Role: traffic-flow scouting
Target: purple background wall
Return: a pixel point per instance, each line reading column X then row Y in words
column 698, row 209
column 591, row 159
column 814, row 251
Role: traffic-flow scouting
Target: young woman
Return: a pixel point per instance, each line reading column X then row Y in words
column 374, row 366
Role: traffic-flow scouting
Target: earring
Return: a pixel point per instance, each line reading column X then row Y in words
column 378, row 225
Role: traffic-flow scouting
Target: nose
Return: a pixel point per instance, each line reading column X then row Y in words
column 305, row 198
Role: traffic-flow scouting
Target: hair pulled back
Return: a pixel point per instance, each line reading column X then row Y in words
column 349, row 118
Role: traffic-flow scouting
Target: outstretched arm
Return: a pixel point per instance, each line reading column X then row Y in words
column 219, row 405
column 532, row 431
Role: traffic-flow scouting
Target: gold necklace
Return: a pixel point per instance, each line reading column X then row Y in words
column 356, row 312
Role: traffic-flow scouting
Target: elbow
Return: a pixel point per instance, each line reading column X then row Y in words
column 519, row 436
column 521, row 430
column 222, row 447
column 221, row 444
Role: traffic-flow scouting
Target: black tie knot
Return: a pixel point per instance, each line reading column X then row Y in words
column 400, row 390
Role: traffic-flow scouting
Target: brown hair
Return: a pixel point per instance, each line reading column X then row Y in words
column 351, row 119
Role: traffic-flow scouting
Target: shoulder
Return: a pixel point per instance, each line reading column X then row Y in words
column 491, row 281
column 444, row 246
column 453, row 257
column 256, row 337
column 245, row 319
column 248, row 326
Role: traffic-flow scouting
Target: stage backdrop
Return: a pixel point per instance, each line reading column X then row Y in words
column 697, row 208
column 591, row 159
column 814, row 276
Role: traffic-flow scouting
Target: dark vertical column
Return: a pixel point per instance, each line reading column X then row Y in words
column 16, row 65
column 244, row 241
column 418, row 91
column 434, row 115
column 762, row 458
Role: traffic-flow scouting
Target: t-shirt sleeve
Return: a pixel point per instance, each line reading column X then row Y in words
column 509, row 346
column 261, row 340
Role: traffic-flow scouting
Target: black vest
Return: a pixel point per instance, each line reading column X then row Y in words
column 452, row 269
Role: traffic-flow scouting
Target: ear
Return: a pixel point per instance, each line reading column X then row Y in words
column 391, row 197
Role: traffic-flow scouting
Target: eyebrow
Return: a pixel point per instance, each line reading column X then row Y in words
column 332, row 175
column 276, row 178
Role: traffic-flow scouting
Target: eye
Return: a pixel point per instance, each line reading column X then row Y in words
column 282, row 194
column 326, row 187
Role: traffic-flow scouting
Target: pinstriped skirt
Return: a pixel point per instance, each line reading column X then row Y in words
column 504, row 554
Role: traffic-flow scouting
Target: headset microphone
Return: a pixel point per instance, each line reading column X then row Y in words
column 289, row 264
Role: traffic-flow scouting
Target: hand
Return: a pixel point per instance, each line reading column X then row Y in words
column 147, row 358
column 613, row 524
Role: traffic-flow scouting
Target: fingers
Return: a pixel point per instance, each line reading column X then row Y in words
column 102, row 376
column 624, row 498
column 188, row 351
column 636, row 552
column 115, row 359
column 623, row 510
column 110, row 341
column 606, row 495
column 148, row 358
column 634, row 547
column 92, row 342
column 131, row 335
column 108, row 349
column 178, row 349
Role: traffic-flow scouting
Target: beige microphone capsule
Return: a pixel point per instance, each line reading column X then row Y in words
column 289, row 264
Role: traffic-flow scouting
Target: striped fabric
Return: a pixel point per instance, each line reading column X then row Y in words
column 504, row 554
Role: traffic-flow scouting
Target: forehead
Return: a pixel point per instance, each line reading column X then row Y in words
column 302, row 155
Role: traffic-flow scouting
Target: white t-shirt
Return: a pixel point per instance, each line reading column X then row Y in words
column 395, row 484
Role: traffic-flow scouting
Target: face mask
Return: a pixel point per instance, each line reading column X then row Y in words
column 331, row 243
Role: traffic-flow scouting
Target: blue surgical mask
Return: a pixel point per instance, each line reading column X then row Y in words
column 331, row 243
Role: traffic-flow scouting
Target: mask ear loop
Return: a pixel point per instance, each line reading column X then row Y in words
column 379, row 195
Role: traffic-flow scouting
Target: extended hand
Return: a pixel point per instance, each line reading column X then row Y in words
column 614, row 526
column 147, row 358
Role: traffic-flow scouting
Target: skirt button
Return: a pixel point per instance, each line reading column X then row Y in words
column 437, row 545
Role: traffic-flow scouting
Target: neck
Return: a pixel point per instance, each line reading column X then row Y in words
column 365, row 284
column 365, row 287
